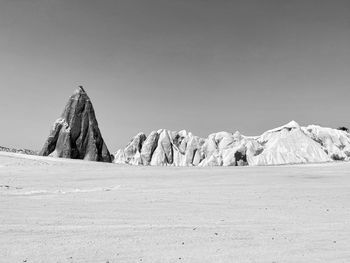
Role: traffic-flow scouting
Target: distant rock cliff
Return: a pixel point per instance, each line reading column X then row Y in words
column 76, row 134
column 22, row 151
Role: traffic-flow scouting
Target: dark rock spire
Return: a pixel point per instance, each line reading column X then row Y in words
column 76, row 134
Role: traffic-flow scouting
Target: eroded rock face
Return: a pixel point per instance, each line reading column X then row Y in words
column 132, row 152
column 148, row 147
column 76, row 134
column 163, row 154
column 287, row 144
column 336, row 142
column 135, row 145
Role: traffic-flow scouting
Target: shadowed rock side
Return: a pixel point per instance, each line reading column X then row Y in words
column 288, row 144
column 76, row 134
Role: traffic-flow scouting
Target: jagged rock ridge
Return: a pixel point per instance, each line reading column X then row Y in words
column 288, row 144
column 76, row 134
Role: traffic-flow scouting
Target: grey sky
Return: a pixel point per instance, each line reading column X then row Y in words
column 204, row 66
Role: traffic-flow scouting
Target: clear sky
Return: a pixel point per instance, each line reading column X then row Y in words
column 199, row 65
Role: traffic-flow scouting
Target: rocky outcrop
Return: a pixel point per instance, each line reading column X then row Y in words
column 76, row 134
column 22, row 151
column 163, row 154
column 336, row 142
column 288, row 144
column 132, row 152
column 164, row 147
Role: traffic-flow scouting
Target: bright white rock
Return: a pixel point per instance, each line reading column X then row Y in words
column 335, row 142
column 287, row 144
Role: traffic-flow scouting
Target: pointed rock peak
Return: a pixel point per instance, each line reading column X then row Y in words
column 292, row 124
column 76, row 134
column 79, row 92
column 81, row 89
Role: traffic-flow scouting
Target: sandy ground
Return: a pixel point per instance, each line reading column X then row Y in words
column 75, row 211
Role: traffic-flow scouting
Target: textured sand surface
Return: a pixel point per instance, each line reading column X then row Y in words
column 75, row 211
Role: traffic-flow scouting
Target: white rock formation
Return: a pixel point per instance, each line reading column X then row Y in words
column 335, row 142
column 148, row 147
column 288, row 144
column 163, row 154
column 132, row 152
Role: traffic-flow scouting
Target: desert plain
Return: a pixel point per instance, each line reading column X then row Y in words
column 58, row 210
